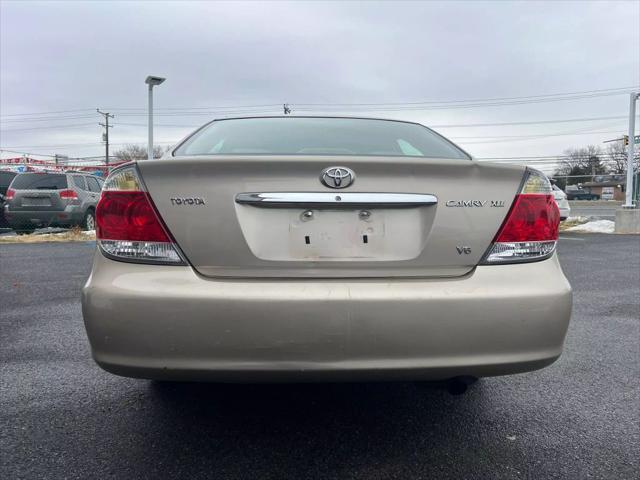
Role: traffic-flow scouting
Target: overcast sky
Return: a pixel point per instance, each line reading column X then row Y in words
column 59, row 56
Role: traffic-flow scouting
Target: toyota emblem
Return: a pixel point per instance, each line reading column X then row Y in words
column 337, row 177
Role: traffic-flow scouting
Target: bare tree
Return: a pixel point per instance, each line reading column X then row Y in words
column 585, row 161
column 136, row 152
column 617, row 158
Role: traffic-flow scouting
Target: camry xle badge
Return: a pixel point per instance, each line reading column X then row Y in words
column 466, row 203
column 337, row 177
column 187, row 201
column 474, row 203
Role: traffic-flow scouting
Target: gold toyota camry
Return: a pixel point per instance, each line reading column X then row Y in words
column 322, row 249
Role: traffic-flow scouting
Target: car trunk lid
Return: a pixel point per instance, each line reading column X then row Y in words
column 205, row 203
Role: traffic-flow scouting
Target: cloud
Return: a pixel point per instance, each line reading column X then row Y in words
column 72, row 55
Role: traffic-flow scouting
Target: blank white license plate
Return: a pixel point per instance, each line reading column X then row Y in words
column 36, row 202
column 336, row 234
column 287, row 234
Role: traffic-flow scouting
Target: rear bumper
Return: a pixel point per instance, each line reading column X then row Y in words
column 18, row 219
column 169, row 323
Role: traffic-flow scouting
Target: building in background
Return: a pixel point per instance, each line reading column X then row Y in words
column 607, row 188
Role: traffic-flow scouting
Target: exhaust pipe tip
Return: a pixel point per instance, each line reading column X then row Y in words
column 459, row 385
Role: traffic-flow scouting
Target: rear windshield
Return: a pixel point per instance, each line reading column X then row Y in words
column 317, row 136
column 39, row 181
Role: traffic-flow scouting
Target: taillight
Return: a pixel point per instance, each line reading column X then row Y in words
column 68, row 194
column 10, row 194
column 530, row 230
column 128, row 226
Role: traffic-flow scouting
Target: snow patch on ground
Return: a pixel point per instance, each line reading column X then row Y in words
column 578, row 219
column 594, row 226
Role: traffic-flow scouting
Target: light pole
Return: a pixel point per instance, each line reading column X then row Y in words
column 151, row 81
column 632, row 121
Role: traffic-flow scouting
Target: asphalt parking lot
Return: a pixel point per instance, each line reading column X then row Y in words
column 63, row 417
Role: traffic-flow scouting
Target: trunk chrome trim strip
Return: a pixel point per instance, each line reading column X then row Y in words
column 336, row 200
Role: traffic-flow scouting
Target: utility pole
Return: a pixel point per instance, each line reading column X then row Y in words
column 632, row 126
column 628, row 217
column 105, row 136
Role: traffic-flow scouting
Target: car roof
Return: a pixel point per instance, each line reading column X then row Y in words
column 337, row 117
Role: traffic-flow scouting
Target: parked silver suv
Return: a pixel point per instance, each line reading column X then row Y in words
column 52, row 199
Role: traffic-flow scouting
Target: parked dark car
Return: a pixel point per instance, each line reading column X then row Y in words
column 5, row 180
column 52, row 199
column 581, row 195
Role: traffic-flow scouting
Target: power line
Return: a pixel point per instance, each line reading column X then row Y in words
column 47, row 113
column 133, row 114
column 532, row 137
column 585, row 92
column 93, row 144
column 204, row 113
column 400, row 106
column 501, row 124
column 143, row 109
column 78, row 125
column 45, row 119
column 158, row 125
column 231, row 107
column 536, row 136
column 433, row 103
column 404, row 107
column 535, row 122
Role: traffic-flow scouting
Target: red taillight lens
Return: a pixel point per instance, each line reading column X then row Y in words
column 10, row 194
column 128, row 226
column 530, row 229
column 533, row 218
column 128, row 216
column 68, row 194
